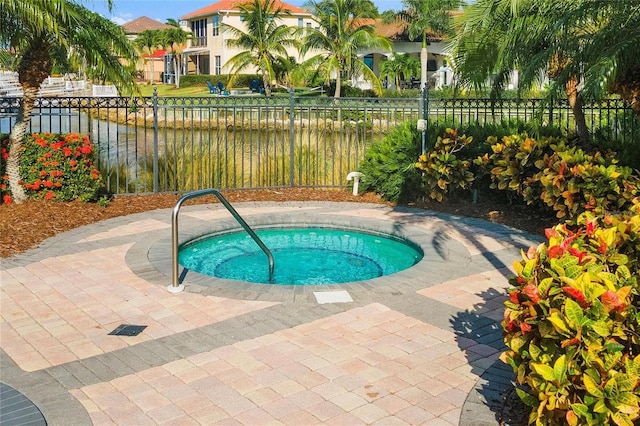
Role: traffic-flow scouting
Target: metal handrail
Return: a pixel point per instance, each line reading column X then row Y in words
column 176, row 285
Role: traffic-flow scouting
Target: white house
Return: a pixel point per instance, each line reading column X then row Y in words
column 208, row 52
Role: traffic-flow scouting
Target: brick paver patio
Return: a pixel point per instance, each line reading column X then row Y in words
column 416, row 347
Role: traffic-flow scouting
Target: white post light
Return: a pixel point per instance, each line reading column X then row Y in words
column 355, row 176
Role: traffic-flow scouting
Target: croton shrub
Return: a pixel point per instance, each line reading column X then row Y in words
column 549, row 171
column 443, row 171
column 572, row 323
column 55, row 166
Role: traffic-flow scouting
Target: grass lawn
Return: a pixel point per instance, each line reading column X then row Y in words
column 170, row 90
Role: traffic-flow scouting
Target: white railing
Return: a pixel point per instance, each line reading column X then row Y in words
column 104, row 91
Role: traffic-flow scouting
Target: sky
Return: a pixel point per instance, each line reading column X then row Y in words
column 127, row 10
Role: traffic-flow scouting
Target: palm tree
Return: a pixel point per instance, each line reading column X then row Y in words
column 149, row 40
column 391, row 68
column 541, row 38
column 423, row 17
column 401, row 66
column 344, row 29
column 175, row 38
column 264, row 43
column 36, row 28
column 611, row 49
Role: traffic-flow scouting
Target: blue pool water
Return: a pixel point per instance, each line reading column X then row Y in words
column 302, row 256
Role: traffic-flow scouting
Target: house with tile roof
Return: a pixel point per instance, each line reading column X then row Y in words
column 207, row 52
column 152, row 66
column 438, row 73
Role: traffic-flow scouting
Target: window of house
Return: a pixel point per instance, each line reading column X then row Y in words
column 216, row 25
column 300, row 22
column 432, row 65
column 199, row 30
column 218, row 65
column 308, row 24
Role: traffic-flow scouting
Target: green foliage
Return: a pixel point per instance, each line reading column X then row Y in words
column 573, row 181
column 55, row 166
column 563, row 177
column 242, row 80
column 443, row 171
column 572, row 324
column 405, row 93
column 512, row 164
column 388, row 165
column 347, row 91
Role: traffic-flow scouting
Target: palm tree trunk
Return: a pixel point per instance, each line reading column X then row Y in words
column 152, row 68
column 33, row 69
column 176, row 69
column 267, row 85
column 178, row 59
column 423, row 61
column 338, row 85
column 576, row 103
column 16, row 138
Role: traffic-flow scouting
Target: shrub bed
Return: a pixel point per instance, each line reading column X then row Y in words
column 55, row 166
column 565, row 178
column 572, row 323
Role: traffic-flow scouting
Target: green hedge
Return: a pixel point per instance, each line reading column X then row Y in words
column 243, row 80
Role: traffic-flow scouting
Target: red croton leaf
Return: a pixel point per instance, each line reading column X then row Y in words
column 577, row 295
column 577, row 253
column 525, row 328
column 531, row 290
column 570, row 342
column 554, row 251
column 611, row 301
column 513, row 296
column 602, row 249
column 550, row 233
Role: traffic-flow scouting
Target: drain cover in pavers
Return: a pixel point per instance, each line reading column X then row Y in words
column 332, row 297
column 17, row 409
column 128, row 330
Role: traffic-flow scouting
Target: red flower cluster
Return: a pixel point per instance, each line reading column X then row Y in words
column 57, row 166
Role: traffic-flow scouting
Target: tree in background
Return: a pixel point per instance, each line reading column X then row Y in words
column 344, row 30
column 148, row 41
column 423, row 17
column 33, row 30
column 175, row 38
column 611, row 48
column 264, row 42
column 586, row 48
column 400, row 66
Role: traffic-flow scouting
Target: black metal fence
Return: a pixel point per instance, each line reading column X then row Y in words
column 163, row 144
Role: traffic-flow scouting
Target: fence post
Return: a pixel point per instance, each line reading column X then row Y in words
column 155, row 139
column 424, row 113
column 292, row 137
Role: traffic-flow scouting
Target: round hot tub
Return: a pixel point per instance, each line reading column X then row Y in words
column 302, row 255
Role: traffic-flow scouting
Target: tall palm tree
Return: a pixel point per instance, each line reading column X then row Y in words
column 36, row 28
column 611, row 49
column 427, row 16
column 175, row 38
column 545, row 37
column 149, row 40
column 344, row 30
column 264, row 42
